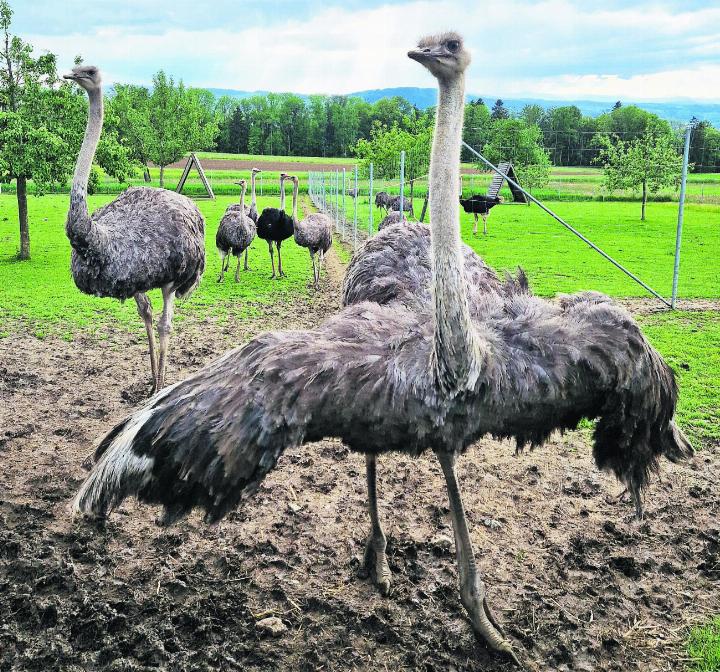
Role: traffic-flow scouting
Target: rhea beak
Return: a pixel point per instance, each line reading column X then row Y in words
column 71, row 76
column 422, row 55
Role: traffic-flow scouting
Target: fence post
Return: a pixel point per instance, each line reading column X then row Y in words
column 681, row 213
column 402, row 183
column 355, row 213
column 342, row 235
column 337, row 200
column 370, row 202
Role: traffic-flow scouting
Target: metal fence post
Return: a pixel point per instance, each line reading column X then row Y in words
column 355, row 212
column 343, row 206
column 402, row 182
column 370, row 202
column 337, row 200
column 681, row 213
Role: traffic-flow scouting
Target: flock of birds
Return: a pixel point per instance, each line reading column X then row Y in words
column 431, row 350
column 241, row 223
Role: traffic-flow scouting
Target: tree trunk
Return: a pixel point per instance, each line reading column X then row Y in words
column 644, row 199
column 146, row 174
column 23, row 217
column 162, row 176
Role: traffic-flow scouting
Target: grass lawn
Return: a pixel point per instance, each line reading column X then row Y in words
column 41, row 291
column 704, row 647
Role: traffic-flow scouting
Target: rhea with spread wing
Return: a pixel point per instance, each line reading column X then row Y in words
column 436, row 373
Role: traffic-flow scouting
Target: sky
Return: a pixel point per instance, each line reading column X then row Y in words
column 554, row 49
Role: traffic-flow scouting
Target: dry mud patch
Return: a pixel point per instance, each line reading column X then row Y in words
column 571, row 574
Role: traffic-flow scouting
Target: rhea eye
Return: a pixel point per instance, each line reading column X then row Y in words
column 453, row 45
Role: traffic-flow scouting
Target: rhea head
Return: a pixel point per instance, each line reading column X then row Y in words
column 443, row 55
column 87, row 76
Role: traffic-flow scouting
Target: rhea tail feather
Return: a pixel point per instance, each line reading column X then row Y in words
column 637, row 428
column 118, row 472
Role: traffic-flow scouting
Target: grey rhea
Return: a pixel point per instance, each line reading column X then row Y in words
column 436, row 372
column 252, row 211
column 314, row 232
column 145, row 239
column 235, row 234
column 393, row 217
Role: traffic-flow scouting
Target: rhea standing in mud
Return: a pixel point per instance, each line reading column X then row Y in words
column 438, row 373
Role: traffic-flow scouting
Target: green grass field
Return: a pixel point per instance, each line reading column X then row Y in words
column 40, row 293
column 704, row 647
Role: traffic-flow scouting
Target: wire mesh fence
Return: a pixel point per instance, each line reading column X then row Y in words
column 360, row 197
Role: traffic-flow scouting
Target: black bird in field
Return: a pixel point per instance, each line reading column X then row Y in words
column 479, row 204
column 274, row 225
column 429, row 355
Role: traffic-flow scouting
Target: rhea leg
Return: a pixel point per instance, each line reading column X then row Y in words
column 272, row 258
column 316, row 274
column 475, row 226
column 164, row 329
column 472, row 588
column 247, row 268
column 484, row 218
column 223, row 266
column 375, row 557
column 144, row 308
column 281, row 273
column 237, row 268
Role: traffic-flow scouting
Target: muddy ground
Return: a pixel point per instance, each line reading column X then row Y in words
column 575, row 579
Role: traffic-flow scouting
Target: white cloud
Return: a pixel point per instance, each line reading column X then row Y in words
column 551, row 48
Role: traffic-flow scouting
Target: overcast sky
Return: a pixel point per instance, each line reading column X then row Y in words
column 588, row 49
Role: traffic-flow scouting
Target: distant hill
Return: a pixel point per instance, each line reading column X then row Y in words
column 678, row 110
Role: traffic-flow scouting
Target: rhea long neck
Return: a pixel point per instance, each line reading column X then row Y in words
column 253, row 200
column 456, row 356
column 78, row 222
column 295, row 202
column 282, row 194
column 243, row 188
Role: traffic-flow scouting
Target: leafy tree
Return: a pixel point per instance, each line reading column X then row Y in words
column 476, row 129
column 514, row 140
column 384, row 147
column 705, row 147
column 42, row 121
column 130, row 112
column 499, row 111
column 617, row 106
column 532, row 114
column 181, row 120
column 648, row 162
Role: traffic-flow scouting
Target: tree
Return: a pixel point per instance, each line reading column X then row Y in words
column 648, row 162
column 42, row 121
column 181, row 120
column 384, row 147
column 499, row 111
column 515, row 141
column 129, row 114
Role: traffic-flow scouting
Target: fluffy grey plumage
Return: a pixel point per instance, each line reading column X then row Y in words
column 144, row 239
column 314, row 232
column 392, row 218
column 395, row 265
column 394, row 204
column 235, row 233
column 382, row 200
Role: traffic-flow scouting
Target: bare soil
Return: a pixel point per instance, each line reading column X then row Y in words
column 575, row 579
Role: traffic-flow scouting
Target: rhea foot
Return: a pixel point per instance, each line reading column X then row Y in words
column 484, row 622
column 375, row 564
